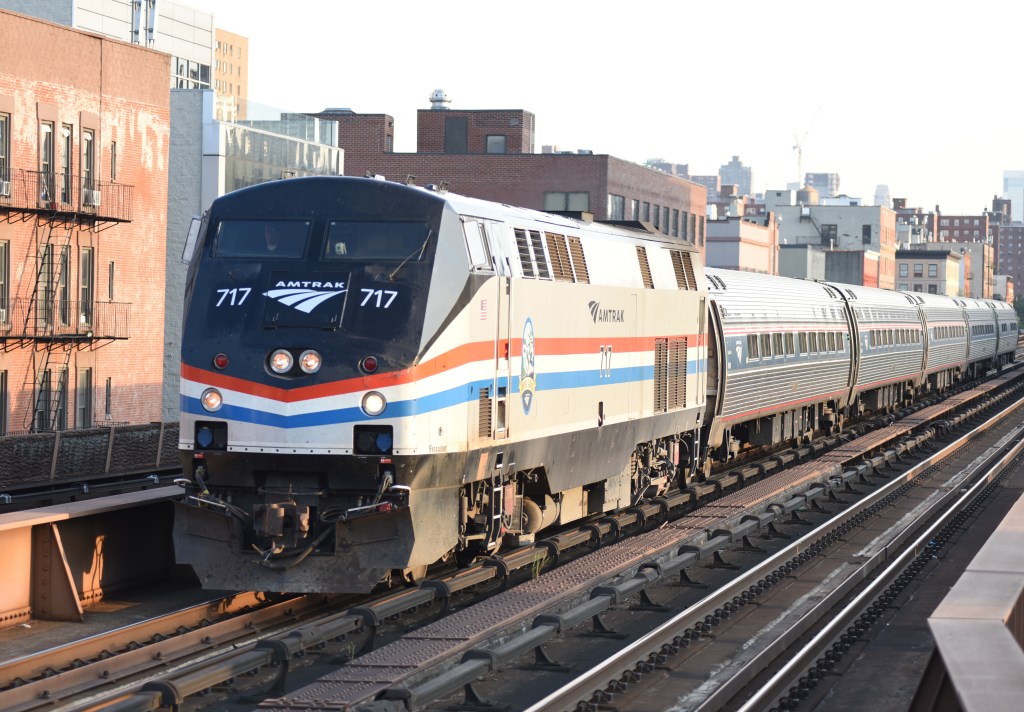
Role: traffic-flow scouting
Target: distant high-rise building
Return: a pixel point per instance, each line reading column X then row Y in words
column 882, row 196
column 827, row 184
column 231, row 75
column 712, row 183
column 1013, row 190
column 736, row 173
column 676, row 169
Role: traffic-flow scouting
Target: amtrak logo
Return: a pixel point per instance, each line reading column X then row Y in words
column 601, row 316
column 305, row 296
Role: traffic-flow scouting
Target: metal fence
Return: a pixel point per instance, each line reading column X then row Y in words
column 66, row 193
column 87, row 453
column 52, row 317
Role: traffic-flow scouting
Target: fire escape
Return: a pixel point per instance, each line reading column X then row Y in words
column 46, row 318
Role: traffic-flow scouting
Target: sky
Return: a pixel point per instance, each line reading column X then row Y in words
column 921, row 96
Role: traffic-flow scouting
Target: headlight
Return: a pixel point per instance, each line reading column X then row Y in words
column 374, row 403
column 281, row 361
column 309, row 361
column 211, row 400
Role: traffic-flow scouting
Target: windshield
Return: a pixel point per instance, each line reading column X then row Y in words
column 375, row 240
column 262, row 238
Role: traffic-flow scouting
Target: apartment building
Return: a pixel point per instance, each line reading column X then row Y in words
column 84, row 135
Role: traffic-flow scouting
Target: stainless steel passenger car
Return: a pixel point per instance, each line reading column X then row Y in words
column 982, row 337
column 780, row 356
column 890, row 346
column 946, row 333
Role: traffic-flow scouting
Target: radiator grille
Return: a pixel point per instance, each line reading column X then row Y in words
column 484, row 416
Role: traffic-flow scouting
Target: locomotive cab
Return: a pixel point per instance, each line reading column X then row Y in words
column 298, row 326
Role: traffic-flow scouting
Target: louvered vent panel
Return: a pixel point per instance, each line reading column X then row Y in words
column 524, row 253
column 677, row 374
column 660, row 375
column 560, row 264
column 691, row 280
column 677, row 267
column 645, row 268
column 579, row 262
column 538, row 255
column 484, row 419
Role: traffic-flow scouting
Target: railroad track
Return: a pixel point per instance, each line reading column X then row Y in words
column 361, row 626
column 776, row 636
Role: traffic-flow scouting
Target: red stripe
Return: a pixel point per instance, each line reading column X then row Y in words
column 459, row 356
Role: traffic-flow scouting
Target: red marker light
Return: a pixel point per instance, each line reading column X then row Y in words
column 384, row 507
column 369, row 364
column 220, row 361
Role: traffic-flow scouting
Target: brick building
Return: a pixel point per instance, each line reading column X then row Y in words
column 933, row 271
column 84, row 134
column 489, row 154
column 1009, row 247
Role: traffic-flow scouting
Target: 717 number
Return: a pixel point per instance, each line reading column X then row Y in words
column 380, row 295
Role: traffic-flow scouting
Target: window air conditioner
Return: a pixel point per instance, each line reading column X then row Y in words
column 3, row 315
column 5, row 189
column 91, row 197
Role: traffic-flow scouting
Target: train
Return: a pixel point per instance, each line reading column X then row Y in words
column 377, row 377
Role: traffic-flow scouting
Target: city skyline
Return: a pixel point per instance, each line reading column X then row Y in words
column 880, row 103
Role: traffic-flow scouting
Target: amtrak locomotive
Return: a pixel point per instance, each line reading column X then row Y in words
column 378, row 376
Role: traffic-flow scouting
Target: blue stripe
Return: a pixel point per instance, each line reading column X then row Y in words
column 427, row 404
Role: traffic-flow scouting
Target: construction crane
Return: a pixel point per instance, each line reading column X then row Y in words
column 798, row 146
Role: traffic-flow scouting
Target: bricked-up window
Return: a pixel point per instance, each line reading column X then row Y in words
column 83, row 399
column 456, row 132
column 616, row 207
column 5, row 152
column 496, row 144
column 566, row 202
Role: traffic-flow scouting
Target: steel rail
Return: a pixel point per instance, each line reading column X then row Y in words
column 802, row 659
column 639, row 652
column 106, row 659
